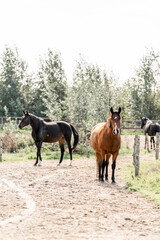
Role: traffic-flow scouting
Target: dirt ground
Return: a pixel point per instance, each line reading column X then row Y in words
column 64, row 202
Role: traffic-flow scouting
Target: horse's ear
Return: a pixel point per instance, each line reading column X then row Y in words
column 27, row 113
column 111, row 110
column 24, row 112
column 119, row 111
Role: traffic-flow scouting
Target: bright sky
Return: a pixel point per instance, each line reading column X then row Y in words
column 111, row 33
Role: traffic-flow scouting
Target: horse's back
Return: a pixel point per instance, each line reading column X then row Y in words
column 153, row 129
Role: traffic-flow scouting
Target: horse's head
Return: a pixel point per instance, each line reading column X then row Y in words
column 143, row 121
column 115, row 121
column 25, row 120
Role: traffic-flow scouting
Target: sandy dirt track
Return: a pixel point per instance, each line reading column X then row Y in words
column 51, row 202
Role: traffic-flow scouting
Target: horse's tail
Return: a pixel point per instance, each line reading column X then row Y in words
column 76, row 137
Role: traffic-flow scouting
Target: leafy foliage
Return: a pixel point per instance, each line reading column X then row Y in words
column 53, row 86
column 87, row 100
column 12, row 74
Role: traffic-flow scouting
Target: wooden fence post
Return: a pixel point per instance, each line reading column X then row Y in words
column 0, row 150
column 136, row 154
column 157, row 145
column 87, row 145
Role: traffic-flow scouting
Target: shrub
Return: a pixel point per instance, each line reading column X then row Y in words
column 9, row 142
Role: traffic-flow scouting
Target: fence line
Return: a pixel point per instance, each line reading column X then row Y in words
column 126, row 124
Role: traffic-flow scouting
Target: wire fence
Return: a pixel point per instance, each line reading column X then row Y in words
column 126, row 124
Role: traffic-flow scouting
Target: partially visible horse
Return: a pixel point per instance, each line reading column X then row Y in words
column 150, row 128
column 50, row 132
column 106, row 141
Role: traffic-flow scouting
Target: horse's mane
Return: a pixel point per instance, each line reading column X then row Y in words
column 36, row 117
column 108, row 120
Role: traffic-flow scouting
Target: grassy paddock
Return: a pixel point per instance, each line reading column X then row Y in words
column 148, row 181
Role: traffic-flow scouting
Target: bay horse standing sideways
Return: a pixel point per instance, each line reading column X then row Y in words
column 50, row 132
column 150, row 128
column 106, row 141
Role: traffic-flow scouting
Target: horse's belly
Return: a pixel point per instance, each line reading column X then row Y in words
column 112, row 150
column 51, row 138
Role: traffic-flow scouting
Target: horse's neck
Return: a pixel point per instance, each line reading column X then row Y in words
column 35, row 123
column 107, row 126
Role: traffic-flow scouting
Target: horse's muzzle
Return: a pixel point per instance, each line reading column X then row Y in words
column 20, row 127
column 115, row 132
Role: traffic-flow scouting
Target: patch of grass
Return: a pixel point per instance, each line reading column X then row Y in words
column 29, row 153
column 148, row 181
column 132, row 132
column 125, row 151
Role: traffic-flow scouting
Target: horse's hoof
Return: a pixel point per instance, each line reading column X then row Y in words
column 70, row 164
column 101, row 180
column 39, row 165
column 113, row 182
column 58, row 164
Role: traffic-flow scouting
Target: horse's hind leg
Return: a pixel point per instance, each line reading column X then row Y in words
column 70, row 152
column 61, row 144
column 153, row 143
column 38, row 145
column 101, row 165
column 68, row 140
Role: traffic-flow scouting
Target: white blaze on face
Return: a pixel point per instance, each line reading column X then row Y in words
column 115, row 129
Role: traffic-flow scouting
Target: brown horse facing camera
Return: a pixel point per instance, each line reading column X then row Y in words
column 106, row 141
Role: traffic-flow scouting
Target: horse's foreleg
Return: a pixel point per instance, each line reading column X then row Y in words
column 102, row 164
column 113, row 170
column 107, row 163
column 114, row 166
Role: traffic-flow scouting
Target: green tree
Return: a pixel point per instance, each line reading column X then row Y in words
column 12, row 73
column 53, row 86
column 144, row 87
column 94, row 93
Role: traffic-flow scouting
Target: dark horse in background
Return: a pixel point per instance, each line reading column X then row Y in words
column 50, row 132
column 150, row 128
